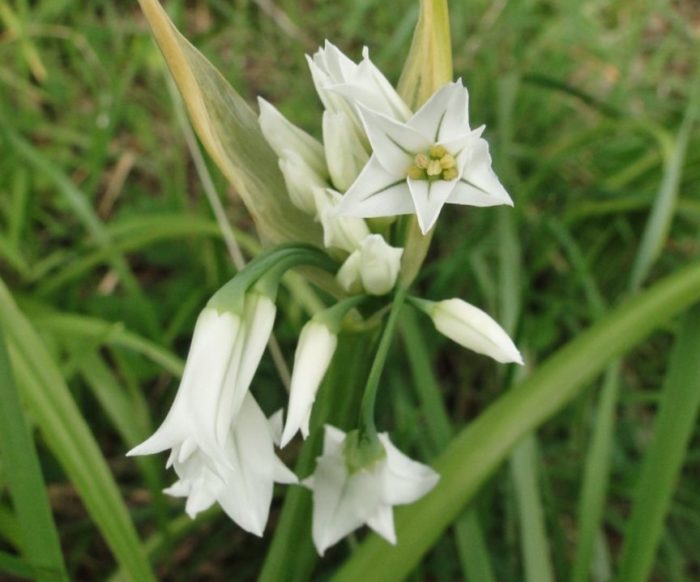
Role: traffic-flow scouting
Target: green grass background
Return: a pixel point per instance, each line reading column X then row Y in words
column 109, row 250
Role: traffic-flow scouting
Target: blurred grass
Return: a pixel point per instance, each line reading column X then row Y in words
column 109, row 247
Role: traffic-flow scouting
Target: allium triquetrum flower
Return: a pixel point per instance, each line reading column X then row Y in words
column 345, row 498
column 418, row 166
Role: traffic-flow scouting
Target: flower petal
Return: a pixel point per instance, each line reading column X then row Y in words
column 342, row 502
column 376, row 192
column 247, row 494
column 404, row 480
column 444, row 116
column 393, row 143
column 428, row 200
column 382, row 522
column 478, row 185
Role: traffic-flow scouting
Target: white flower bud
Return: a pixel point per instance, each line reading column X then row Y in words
column 301, row 180
column 283, row 135
column 342, row 232
column 379, row 265
column 474, row 329
column 345, row 153
column 349, row 274
column 313, row 355
column 374, row 267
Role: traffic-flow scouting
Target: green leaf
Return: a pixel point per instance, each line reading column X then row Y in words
column 675, row 423
column 39, row 539
column 229, row 130
column 479, row 450
column 67, row 435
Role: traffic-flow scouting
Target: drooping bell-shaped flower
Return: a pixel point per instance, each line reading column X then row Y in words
column 418, row 166
column 345, row 497
column 472, row 328
column 315, row 349
column 243, row 486
column 222, row 444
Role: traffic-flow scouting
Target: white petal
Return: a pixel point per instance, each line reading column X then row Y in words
column 342, row 502
column 345, row 152
column 247, row 496
column 444, row 116
column 403, row 479
column 382, row 522
column 311, row 360
column 200, row 499
column 283, row 474
column 276, row 422
column 300, row 180
column 333, row 439
column 343, row 232
column 283, row 135
column 376, row 192
column 474, row 329
column 428, row 199
column 349, row 274
column 259, row 317
column 393, row 143
column 478, row 185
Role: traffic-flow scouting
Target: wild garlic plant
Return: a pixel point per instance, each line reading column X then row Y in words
column 356, row 210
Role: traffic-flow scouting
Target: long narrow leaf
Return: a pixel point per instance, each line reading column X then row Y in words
column 40, row 542
column 678, row 412
column 69, row 438
column 477, row 451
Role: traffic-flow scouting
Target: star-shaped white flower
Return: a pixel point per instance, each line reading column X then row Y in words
column 344, row 501
column 419, row 166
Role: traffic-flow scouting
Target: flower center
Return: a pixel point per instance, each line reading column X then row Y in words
column 435, row 164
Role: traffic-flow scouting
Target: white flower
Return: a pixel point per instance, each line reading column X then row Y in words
column 315, row 349
column 474, row 329
column 373, row 268
column 344, row 501
column 342, row 84
column 222, row 444
column 243, row 487
column 301, row 181
column 418, row 166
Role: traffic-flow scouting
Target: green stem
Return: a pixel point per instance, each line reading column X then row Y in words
column 367, row 428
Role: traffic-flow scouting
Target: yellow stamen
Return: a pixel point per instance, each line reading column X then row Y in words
column 434, row 168
column 437, row 151
column 447, row 161
column 449, row 174
column 416, row 173
column 422, row 161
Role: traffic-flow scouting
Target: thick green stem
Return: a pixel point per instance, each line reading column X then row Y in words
column 367, row 428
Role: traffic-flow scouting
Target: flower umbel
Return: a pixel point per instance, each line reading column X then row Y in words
column 420, row 165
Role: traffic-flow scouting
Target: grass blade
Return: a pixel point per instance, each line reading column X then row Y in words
column 40, row 543
column 478, row 450
column 533, row 537
column 69, row 438
column 678, row 411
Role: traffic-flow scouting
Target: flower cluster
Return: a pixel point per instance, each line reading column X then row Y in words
column 378, row 160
